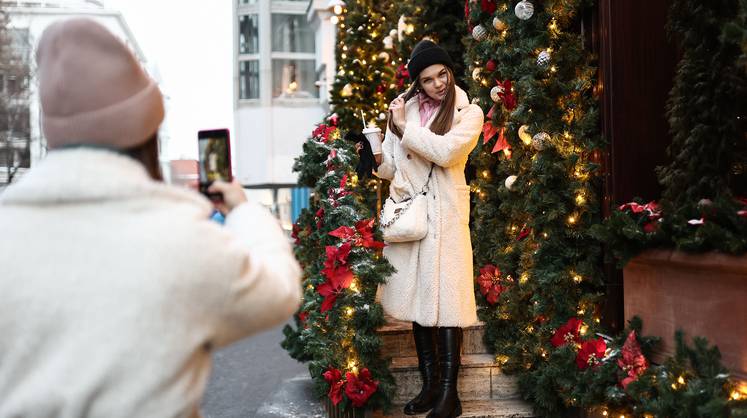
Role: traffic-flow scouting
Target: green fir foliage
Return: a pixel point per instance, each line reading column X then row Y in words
column 347, row 332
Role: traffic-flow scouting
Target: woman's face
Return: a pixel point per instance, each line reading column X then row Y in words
column 434, row 80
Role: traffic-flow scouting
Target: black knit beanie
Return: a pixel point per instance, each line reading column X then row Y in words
column 425, row 54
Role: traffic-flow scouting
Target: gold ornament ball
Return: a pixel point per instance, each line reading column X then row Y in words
column 499, row 25
column 347, row 90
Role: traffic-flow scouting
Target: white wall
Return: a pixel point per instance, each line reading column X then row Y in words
column 268, row 139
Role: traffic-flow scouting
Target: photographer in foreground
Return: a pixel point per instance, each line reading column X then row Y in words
column 115, row 287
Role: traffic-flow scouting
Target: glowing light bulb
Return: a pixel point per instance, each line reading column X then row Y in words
column 337, row 9
column 572, row 219
column 349, row 311
column 354, row 286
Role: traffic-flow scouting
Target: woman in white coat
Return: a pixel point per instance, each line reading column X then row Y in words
column 432, row 127
column 115, row 288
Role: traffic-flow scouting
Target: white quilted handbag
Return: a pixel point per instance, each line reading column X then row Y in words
column 407, row 220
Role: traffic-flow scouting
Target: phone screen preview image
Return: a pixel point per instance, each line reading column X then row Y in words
column 214, row 158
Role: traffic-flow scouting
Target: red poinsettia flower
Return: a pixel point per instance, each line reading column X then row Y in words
column 365, row 231
column 361, row 236
column 359, row 388
column 507, row 96
column 650, row 227
column 523, row 234
column 295, row 232
column 402, row 76
column 489, row 282
column 335, row 194
column 319, row 131
column 338, row 274
column 320, row 218
column 632, row 361
column 303, row 316
column 334, row 119
column 569, row 333
column 590, row 353
column 488, row 6
column 334, row 378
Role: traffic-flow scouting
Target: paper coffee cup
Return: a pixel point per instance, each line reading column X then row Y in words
column 373, row 135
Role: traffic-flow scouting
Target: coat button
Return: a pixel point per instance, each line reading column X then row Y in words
column 409, row 157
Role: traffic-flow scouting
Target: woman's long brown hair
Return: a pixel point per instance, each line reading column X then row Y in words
column 147, row 154
column 445, row 116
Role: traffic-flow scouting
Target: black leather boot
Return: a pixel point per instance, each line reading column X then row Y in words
column 425, row 345
column 449, row 344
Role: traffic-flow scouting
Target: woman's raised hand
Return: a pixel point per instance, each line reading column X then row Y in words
column 397, row 110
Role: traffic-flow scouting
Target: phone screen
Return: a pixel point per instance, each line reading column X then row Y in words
column 215, row 157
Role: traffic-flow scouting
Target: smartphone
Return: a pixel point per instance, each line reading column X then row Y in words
column 214, row 147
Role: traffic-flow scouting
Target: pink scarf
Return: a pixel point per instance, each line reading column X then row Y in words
column 428, row 107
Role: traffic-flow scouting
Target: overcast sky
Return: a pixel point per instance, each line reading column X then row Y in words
column 190, row 43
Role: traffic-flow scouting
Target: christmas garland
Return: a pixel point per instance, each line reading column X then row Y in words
column 339, row 248
column 539, row 285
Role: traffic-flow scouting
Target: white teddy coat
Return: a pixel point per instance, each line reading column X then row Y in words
column 433, row 285
column 115, row 289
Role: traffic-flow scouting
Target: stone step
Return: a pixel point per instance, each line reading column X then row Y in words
column 479, row 379
column 398, row 342
column 476, row 409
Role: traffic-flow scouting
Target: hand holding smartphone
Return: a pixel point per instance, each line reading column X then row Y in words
column 214, row 148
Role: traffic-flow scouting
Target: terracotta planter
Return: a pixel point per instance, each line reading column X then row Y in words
column 701, row 294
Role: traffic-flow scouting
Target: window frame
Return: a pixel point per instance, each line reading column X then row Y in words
column 265, row 10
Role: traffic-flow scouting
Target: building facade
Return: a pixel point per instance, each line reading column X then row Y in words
column 284, row 55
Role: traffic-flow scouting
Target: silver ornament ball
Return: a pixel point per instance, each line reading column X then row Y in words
column 495, row 93
column 476, row 74
column 479, row 33
column 524, row 10
column 509, row 183
column 543, row 60
column 540, row 140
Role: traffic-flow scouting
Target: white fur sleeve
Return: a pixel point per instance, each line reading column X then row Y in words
column 268, row 289
column 446, row 150
column 387, row 168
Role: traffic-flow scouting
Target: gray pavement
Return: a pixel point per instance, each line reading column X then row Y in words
column 255, row 378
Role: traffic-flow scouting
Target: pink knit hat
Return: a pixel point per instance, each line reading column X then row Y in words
column 93, row 89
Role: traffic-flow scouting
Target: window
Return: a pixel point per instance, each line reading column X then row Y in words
column 249, row 79
column 249, row 56
column 249, row 34
column 291, row 33
column 290, row 63
column 293, row 59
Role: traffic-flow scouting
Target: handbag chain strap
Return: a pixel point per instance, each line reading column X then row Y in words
column 402, row 211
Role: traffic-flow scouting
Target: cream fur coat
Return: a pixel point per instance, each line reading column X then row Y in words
column 114, row 289
column 433, row 285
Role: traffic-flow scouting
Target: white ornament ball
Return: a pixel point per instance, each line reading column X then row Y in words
column 495, row 93
column 382, row 116
column 479, row 33
column 347, row 90
column 543, row 60
column 540, row 140
column 476, row 73
column 393, row 33
column 509, row 183
column 388, row 42
column 499, row 25
column 524, row 10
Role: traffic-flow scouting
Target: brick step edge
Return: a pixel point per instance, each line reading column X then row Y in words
column 475, row 409
column 479, row 379
column 395, row 326
column 402, row 344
